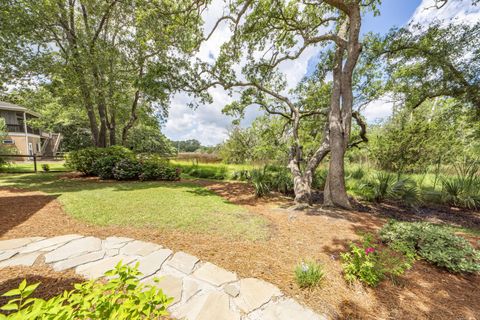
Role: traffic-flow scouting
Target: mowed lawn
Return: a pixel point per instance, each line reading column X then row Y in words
column 162, row 205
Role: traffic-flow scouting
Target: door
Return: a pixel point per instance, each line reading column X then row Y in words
column 30, row 149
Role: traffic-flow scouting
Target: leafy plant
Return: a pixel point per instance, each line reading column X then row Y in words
column 127, row 169
column 103, row 167
column 436, row 244
column 371, row 263
column 158, row 169
column 45, row 167
column 121, row 297
column 241, row 175
column 260, row 182
column 308, row 274
column 84, row 160
column 385, row 186
column 464, row 189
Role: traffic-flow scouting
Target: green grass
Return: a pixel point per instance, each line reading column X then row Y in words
column 212, row 167
column 28, row 167
column 162, row 205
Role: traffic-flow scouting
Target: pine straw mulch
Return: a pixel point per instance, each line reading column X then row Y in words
column 425, row 292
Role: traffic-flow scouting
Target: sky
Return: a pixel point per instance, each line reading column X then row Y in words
column 207, row 123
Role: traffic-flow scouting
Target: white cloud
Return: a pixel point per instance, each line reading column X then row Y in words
column 207, row 123
column 457, row 11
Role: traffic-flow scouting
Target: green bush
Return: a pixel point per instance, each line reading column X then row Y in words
column 206, row 172
column 436, row 244
column 84, row 160
column 386, row 186
column 260, row 182
column 121, row 297
column 158, row 169
column 45, row 167
column 103, row 167
column 319, row 179
column 127, row 169
column 371, row 263
column 241, row 175
column 308, row 274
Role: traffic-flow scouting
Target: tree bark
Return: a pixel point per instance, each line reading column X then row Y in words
column 340, row 117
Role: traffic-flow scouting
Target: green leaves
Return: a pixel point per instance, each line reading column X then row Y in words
column 121, row 297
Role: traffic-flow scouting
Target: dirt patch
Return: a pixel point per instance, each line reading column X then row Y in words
column 425, row 292
column 52, row 283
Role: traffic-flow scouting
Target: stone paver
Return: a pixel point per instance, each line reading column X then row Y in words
column 74, row 248
column 215, row 275
column 139, row 248
column 172, row 286
column 115, row 242
column 51, row 243
column 183, row 262
column 26, row 259
column 153, row 262
column 232, row 290
column 96, row 269
column 190, row 288
column 213, row 305
column 254, row 293
column 4, row 255
column 200, row 290
column 285, row 310
column 17, row 243
column 78, row 260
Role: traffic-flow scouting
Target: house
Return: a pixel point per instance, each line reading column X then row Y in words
column 27, row 140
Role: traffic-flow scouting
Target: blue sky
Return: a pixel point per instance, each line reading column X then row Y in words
column 392, row 13
column 210, row 126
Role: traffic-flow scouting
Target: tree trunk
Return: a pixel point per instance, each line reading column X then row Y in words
column 302, row 183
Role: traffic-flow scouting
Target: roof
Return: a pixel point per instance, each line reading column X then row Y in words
column 14, row 107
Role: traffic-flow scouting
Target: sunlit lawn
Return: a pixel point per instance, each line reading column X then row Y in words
column 162, row 205
column 28, row 166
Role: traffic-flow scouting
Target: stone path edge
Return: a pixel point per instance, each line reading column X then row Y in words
column 201, row 290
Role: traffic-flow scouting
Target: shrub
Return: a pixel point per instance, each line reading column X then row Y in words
column 260, row 182
column 280, row 179
column 385, row 186
column 319, row 179
column 436, row 244
column 207, row 172
column 127, row 169
column 83, row 160
column 158, row 169
column 371, row 263
column 121, row 297
column 45, row 167
column 463, row 190
column 103, row 167
column 241, row 175
column 308, row 274
column 357, row 174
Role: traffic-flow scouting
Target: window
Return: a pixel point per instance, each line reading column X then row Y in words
column 8, row 142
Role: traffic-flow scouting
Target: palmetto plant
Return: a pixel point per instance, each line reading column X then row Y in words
column 383, row 186
column 463, row 190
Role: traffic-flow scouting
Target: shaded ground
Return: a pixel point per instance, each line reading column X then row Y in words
column 425, row 292
column 52, row 283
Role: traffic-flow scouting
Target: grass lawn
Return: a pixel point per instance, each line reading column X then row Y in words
column 173, row 205
column 28, row 167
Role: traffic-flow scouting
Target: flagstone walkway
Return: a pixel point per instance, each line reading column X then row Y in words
column 201, row 290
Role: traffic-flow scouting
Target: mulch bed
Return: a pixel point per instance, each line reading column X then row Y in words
column 52, row 283
column 425, row 292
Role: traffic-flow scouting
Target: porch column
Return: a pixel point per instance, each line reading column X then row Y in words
column 26, row 132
